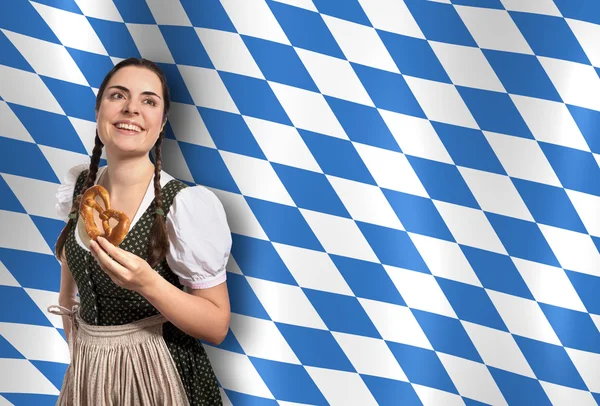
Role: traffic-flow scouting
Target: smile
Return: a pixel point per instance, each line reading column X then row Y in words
column 128, row 127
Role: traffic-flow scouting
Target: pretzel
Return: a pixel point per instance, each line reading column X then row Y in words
column 87, row 225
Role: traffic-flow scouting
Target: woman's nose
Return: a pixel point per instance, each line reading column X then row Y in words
column 131, row 107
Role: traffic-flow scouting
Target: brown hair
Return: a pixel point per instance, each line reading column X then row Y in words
column 159, row 243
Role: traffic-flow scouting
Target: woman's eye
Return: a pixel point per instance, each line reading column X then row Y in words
column 118, row 95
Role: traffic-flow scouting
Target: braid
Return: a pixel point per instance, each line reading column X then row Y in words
column 93, row 170
column 159, row 242
column 90, row 180
column 157, row 170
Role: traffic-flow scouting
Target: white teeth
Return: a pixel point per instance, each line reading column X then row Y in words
column 130, row 127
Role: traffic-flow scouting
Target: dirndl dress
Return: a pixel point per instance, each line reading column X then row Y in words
column 123, row 351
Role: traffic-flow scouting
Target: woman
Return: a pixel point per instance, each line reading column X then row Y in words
column 143, row 305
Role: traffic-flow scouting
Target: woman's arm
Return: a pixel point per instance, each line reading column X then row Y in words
column 67, row 296
column 201, row 313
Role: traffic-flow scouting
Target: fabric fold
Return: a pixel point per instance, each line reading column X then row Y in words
column 121, row 365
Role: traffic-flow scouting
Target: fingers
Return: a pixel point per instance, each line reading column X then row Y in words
column 114, row 269
column 121, row 256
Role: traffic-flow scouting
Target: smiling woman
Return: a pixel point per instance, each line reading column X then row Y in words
column 133, row 334
column 133, row 89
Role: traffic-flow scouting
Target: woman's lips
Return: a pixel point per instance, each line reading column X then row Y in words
column 127, row 132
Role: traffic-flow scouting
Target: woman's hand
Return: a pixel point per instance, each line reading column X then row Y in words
column 207, row 312
column 124, row 268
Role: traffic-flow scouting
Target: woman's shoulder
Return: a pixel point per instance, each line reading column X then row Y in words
column 73, row 174
column 66, row 189
column 197, row 202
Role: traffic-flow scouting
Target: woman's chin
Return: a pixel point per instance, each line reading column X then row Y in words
column 125, row 148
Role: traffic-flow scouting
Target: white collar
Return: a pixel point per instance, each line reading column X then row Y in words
column 148, row 197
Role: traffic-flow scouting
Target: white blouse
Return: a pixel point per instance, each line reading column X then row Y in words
column 197, row 228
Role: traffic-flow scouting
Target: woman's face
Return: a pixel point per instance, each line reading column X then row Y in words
column 130, row 116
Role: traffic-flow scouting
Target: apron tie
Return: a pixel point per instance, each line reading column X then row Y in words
column 72, row 314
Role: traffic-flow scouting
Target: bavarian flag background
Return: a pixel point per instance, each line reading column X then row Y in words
column 412, row 186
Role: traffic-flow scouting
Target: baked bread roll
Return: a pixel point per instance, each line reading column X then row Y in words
column 88, row 230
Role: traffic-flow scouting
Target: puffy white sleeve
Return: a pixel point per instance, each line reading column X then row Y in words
column 199, row 236
column 64, row 193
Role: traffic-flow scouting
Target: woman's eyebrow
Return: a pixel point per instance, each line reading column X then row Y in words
column 123, row 88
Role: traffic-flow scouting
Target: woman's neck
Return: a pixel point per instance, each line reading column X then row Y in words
column 126, row 176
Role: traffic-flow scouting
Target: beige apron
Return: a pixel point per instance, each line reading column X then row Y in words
column 122, row 365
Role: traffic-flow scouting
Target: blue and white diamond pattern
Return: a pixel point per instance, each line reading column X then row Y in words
column 413, row 189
